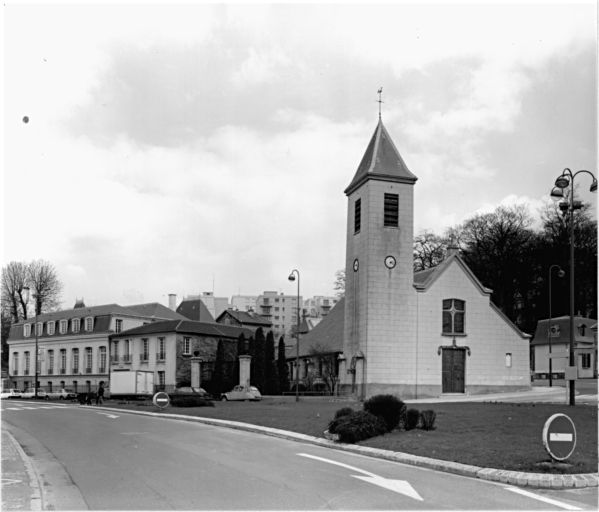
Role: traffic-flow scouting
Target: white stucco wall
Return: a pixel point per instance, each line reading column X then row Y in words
column 488, row 335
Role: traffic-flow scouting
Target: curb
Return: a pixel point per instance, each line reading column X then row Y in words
column 519, row 478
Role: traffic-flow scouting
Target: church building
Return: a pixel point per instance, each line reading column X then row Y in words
column 411, row 334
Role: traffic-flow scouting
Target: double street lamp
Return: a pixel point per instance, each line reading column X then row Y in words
column 297, row 332
column 26, row 294
column 560, row 273
column 564, row 190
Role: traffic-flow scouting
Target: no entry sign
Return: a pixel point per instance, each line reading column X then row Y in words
column 161, row 399
column 559, row 436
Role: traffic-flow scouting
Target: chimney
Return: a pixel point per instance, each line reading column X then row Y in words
column 172, row 301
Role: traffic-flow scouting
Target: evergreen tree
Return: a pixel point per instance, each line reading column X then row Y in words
column 252, row 354
column 259, row 360
column 217, row 383
column 282, row 368
column 271, row 378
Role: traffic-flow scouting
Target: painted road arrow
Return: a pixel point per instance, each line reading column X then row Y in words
column 106, row 414
column 399, row 486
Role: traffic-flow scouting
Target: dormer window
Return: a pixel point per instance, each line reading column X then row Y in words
column 582, row 329
column 27, row 330
column 62, row 327
column 75, row 324
column 89, row 324
column 118, row 325
column 51, row 327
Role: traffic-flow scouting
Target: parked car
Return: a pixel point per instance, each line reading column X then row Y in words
column 63, row 394
column 189, row 391
column 242, row 393
column 10, row 393
column 30, row 393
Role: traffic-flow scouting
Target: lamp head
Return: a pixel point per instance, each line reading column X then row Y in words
column 291, row 277
column 556, row 194
column 561, row 273
column 593, row 186
column 562, row 182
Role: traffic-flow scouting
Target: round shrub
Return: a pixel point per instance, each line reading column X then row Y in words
column 344, row 411
column 387, row 407
column 357, row 426
column 412, row 419
column 427, row 419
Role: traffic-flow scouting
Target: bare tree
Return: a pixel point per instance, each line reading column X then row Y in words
column 429, row 250
column 325, row 366
column 14, row 280
column 45, row 286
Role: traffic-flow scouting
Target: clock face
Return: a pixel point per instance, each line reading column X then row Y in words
column 356, row 265
column 390, row 262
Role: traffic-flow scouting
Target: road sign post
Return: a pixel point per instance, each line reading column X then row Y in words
column 161, row 400
column 559, row 436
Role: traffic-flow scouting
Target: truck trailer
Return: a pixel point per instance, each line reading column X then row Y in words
column 132, row 384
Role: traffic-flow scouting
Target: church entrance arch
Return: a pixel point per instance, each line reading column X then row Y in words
column 453, row 368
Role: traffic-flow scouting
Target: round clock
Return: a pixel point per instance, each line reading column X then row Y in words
column 356, row 265
column 390, row 262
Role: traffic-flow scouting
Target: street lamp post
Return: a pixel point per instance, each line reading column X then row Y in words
column 560, row 273
column 297, row 332
column 26, row 293
column 566, row 181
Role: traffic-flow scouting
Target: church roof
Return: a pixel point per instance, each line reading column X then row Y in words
column 381, row 161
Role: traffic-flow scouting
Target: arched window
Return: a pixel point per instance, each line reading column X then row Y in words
column 453, row 317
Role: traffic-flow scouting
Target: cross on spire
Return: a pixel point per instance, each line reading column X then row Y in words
column 380, row 92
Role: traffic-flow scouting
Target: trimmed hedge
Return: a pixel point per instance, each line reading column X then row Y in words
column 427, row 419
column 412, row 419
column 344, row 411
column 357, row 426
column 190, row 401
column 387, row 407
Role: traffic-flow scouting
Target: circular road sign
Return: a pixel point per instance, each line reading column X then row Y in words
column 161, row 399
column 559, row 436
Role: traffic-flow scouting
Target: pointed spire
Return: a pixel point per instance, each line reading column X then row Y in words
column 381, row 161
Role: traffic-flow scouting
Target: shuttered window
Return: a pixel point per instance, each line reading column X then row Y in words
column 391, row 210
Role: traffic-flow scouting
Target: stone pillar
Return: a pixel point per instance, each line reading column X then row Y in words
column 244, row 370
column 196, row 374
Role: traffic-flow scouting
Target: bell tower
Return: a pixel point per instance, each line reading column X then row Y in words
column 380, row 300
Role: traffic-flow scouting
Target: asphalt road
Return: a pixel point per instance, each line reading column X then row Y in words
column 96, row 459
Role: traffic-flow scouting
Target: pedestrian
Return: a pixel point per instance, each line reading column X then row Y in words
column 100, row 394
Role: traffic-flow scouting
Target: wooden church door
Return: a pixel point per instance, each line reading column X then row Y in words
column 454, row 366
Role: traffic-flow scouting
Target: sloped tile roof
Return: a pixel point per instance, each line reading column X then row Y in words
column 195, row 309
column 156, row 310
column 381, row 161
column 563, row 334
column 187, row 327
column 327, row 335
column 245, row 317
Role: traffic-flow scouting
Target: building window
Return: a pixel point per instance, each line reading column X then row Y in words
column 39, row 328
column 50, row 362
column 63, row 360
column 50, row 386
column 74, row 386
column 127, row 351
column 357, row 215
column 161, row 349
column 186, row 345
column 89, row 324
column 585, row 361
column 115, row 352
column 581, row 329
column 27, row 330
column 75, row 325
column 27, row 359
column 102, row 358
column 161, row 381
column 453, row 316
column 51, row 328
column 145, row 349
column 391, row 210
column 75, row 354
column 118, row 325
column 15, row 363
column 508, row 360
column 62, row 327
column 88, row 359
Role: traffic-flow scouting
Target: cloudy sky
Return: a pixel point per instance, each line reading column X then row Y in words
column 181, row 149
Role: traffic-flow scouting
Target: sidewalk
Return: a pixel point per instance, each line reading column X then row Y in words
column 20, row 488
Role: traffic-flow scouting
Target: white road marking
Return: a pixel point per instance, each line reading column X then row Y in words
column 399, row 486
column 106, row 414
column 544, row 499
column 8, row 481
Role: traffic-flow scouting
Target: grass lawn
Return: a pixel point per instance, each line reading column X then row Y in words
column 496, row 435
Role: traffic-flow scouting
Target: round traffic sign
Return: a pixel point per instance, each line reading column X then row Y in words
column 559, row 436
column 161, row 399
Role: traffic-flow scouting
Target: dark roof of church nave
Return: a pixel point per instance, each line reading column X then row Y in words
column 382, row 161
